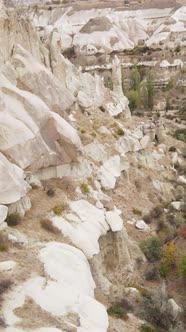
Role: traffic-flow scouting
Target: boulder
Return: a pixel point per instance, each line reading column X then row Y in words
column 141, row 225
column 13, row 186
column 174, row 309
column 176, row 205
column 182, row 179
column 114, row 220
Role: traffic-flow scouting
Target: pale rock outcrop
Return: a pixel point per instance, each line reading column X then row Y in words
column 13, row 187
column 96, row 151
column 109, row 172
column 78, row 170
column 128, row 143
column 85, row 103
column 16, row 30
column 141, row 225
column 182, row 179
column 7, row 266
column 86, row 223
column 3, row 214
column 118, row 91
column 69, row 289
column 145, row 141
column 20, row 206
column 83, row 226
column 40, row 81
column 176, row 205
column 47, row 137
column 174, row 309
column 114, row 220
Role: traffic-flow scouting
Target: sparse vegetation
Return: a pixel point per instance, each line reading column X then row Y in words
column 181, row 265
column 85, row 188
column 13, row 219
column 155, row 310
column 137, row 211
column 51, row 192
column 120, row 132
column 117, row 311
column 58, row 209
column 147, row 328
column 4, row 245
column 5, row 284
column 180, row 134
column 48, row 226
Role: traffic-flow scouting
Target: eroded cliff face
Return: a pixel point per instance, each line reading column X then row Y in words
column 70, row 156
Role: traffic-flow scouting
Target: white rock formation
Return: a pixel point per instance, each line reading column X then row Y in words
column 70, row 289
column 109, row 171
column 3, row 214
column 176, row 205
column 13, row 186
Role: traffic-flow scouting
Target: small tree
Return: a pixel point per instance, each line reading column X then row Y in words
column 181, row 264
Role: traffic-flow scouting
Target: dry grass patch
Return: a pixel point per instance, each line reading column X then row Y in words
column 48, row 226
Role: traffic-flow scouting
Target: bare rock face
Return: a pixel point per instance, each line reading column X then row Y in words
column 13, row 186
column 40, row 81
column 47, row 138
column 14, row 29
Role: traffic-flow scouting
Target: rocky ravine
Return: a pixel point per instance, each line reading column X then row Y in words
column 71, row 154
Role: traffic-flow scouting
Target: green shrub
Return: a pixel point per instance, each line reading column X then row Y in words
column 152, row 248
column 137, row 211
column 13, row 219
column 58, row 209
column 117, row 311
column 120, row 132
column 85, row 188
column 164, row 270
column 146, row 328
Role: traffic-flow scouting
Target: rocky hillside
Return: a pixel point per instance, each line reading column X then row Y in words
column 92, row 197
